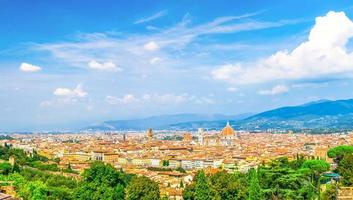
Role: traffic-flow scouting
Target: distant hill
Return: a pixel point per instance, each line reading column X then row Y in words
column 320, row 115
column 163, row 122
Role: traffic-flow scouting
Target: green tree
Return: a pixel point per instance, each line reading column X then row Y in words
column 345, row 169
column 181, row 185
column 254, row 187
column 338, row 152
column 330, row 193
column 35, row 190
column 202, row 188
column 224, row 185
column 102, row 181
column 5, row 168
column 142, row 188
column 316, row 168
column 165, row 163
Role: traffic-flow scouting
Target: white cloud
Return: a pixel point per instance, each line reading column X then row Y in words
column 278, row 89
column 150, row 18
column 170, row 98
column 133, row 50
column 26, row 67
column 71, row 93
column 151, row 46
column 66, row 96
column 226, row 72
column 324, row 54
column 106, row 66
column 155, row 60
column 158, row 99
column 126, row 99
column 232, row 89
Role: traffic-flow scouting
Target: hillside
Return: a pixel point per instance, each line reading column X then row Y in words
column 321, row 115
column 163, row 122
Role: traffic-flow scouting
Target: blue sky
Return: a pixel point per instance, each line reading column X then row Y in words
column 66, row 64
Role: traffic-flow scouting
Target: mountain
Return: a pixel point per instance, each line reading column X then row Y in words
column 162, row 122
column 317, row 116
column 320, row 115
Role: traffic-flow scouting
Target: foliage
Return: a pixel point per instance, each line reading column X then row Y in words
column 284, row 179
column 102, row 181
column 142, row 188
column 254, row 187
column 5, row 168
column 345, row 169
column 330, row 192
column 220, row 185
column 165, row 163
column 339, row 151
column 41, row 166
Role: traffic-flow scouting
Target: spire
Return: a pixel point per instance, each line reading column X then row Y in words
column 228, row 123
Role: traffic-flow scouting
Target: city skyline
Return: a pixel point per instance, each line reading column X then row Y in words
column 64, row 65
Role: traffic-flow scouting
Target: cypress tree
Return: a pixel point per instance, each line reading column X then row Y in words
column 254, row 186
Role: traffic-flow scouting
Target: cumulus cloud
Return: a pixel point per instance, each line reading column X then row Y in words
column 104, row 66
column 151, row 46
column 66, row 96
column 278, row 89
column 226, row 72
column 26, row 67
column 67, row 92
column 324, row 54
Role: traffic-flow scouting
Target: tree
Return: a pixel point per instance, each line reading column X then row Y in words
column 345, row 169
column 5, row 168
column 102, row 181
column 330, row 192
column 181, row 185
column 254, row 187
column 189, row 192
column 224, row 185
column 142, row 188
column 165, row 163
column 316, row 167
column 338, row 152
column 202, row 188
column 35, row 190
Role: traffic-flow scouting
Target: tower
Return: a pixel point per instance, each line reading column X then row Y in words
column 149, row 135
column 200, row 136
column 124, row 137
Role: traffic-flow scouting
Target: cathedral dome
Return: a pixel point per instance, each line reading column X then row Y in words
column 228, row 131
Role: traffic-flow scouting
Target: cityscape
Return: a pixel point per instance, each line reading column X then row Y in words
column 176, row 100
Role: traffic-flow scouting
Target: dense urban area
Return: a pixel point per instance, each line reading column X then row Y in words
column 224, row 164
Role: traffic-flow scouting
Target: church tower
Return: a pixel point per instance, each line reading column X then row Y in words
column 149, row 135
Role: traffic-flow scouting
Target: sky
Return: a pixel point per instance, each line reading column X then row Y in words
column 67, row 64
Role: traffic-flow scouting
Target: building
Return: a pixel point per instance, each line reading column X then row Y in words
column 187, row 138
column 228, row 136
column 149, row 135
column 200, row 136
